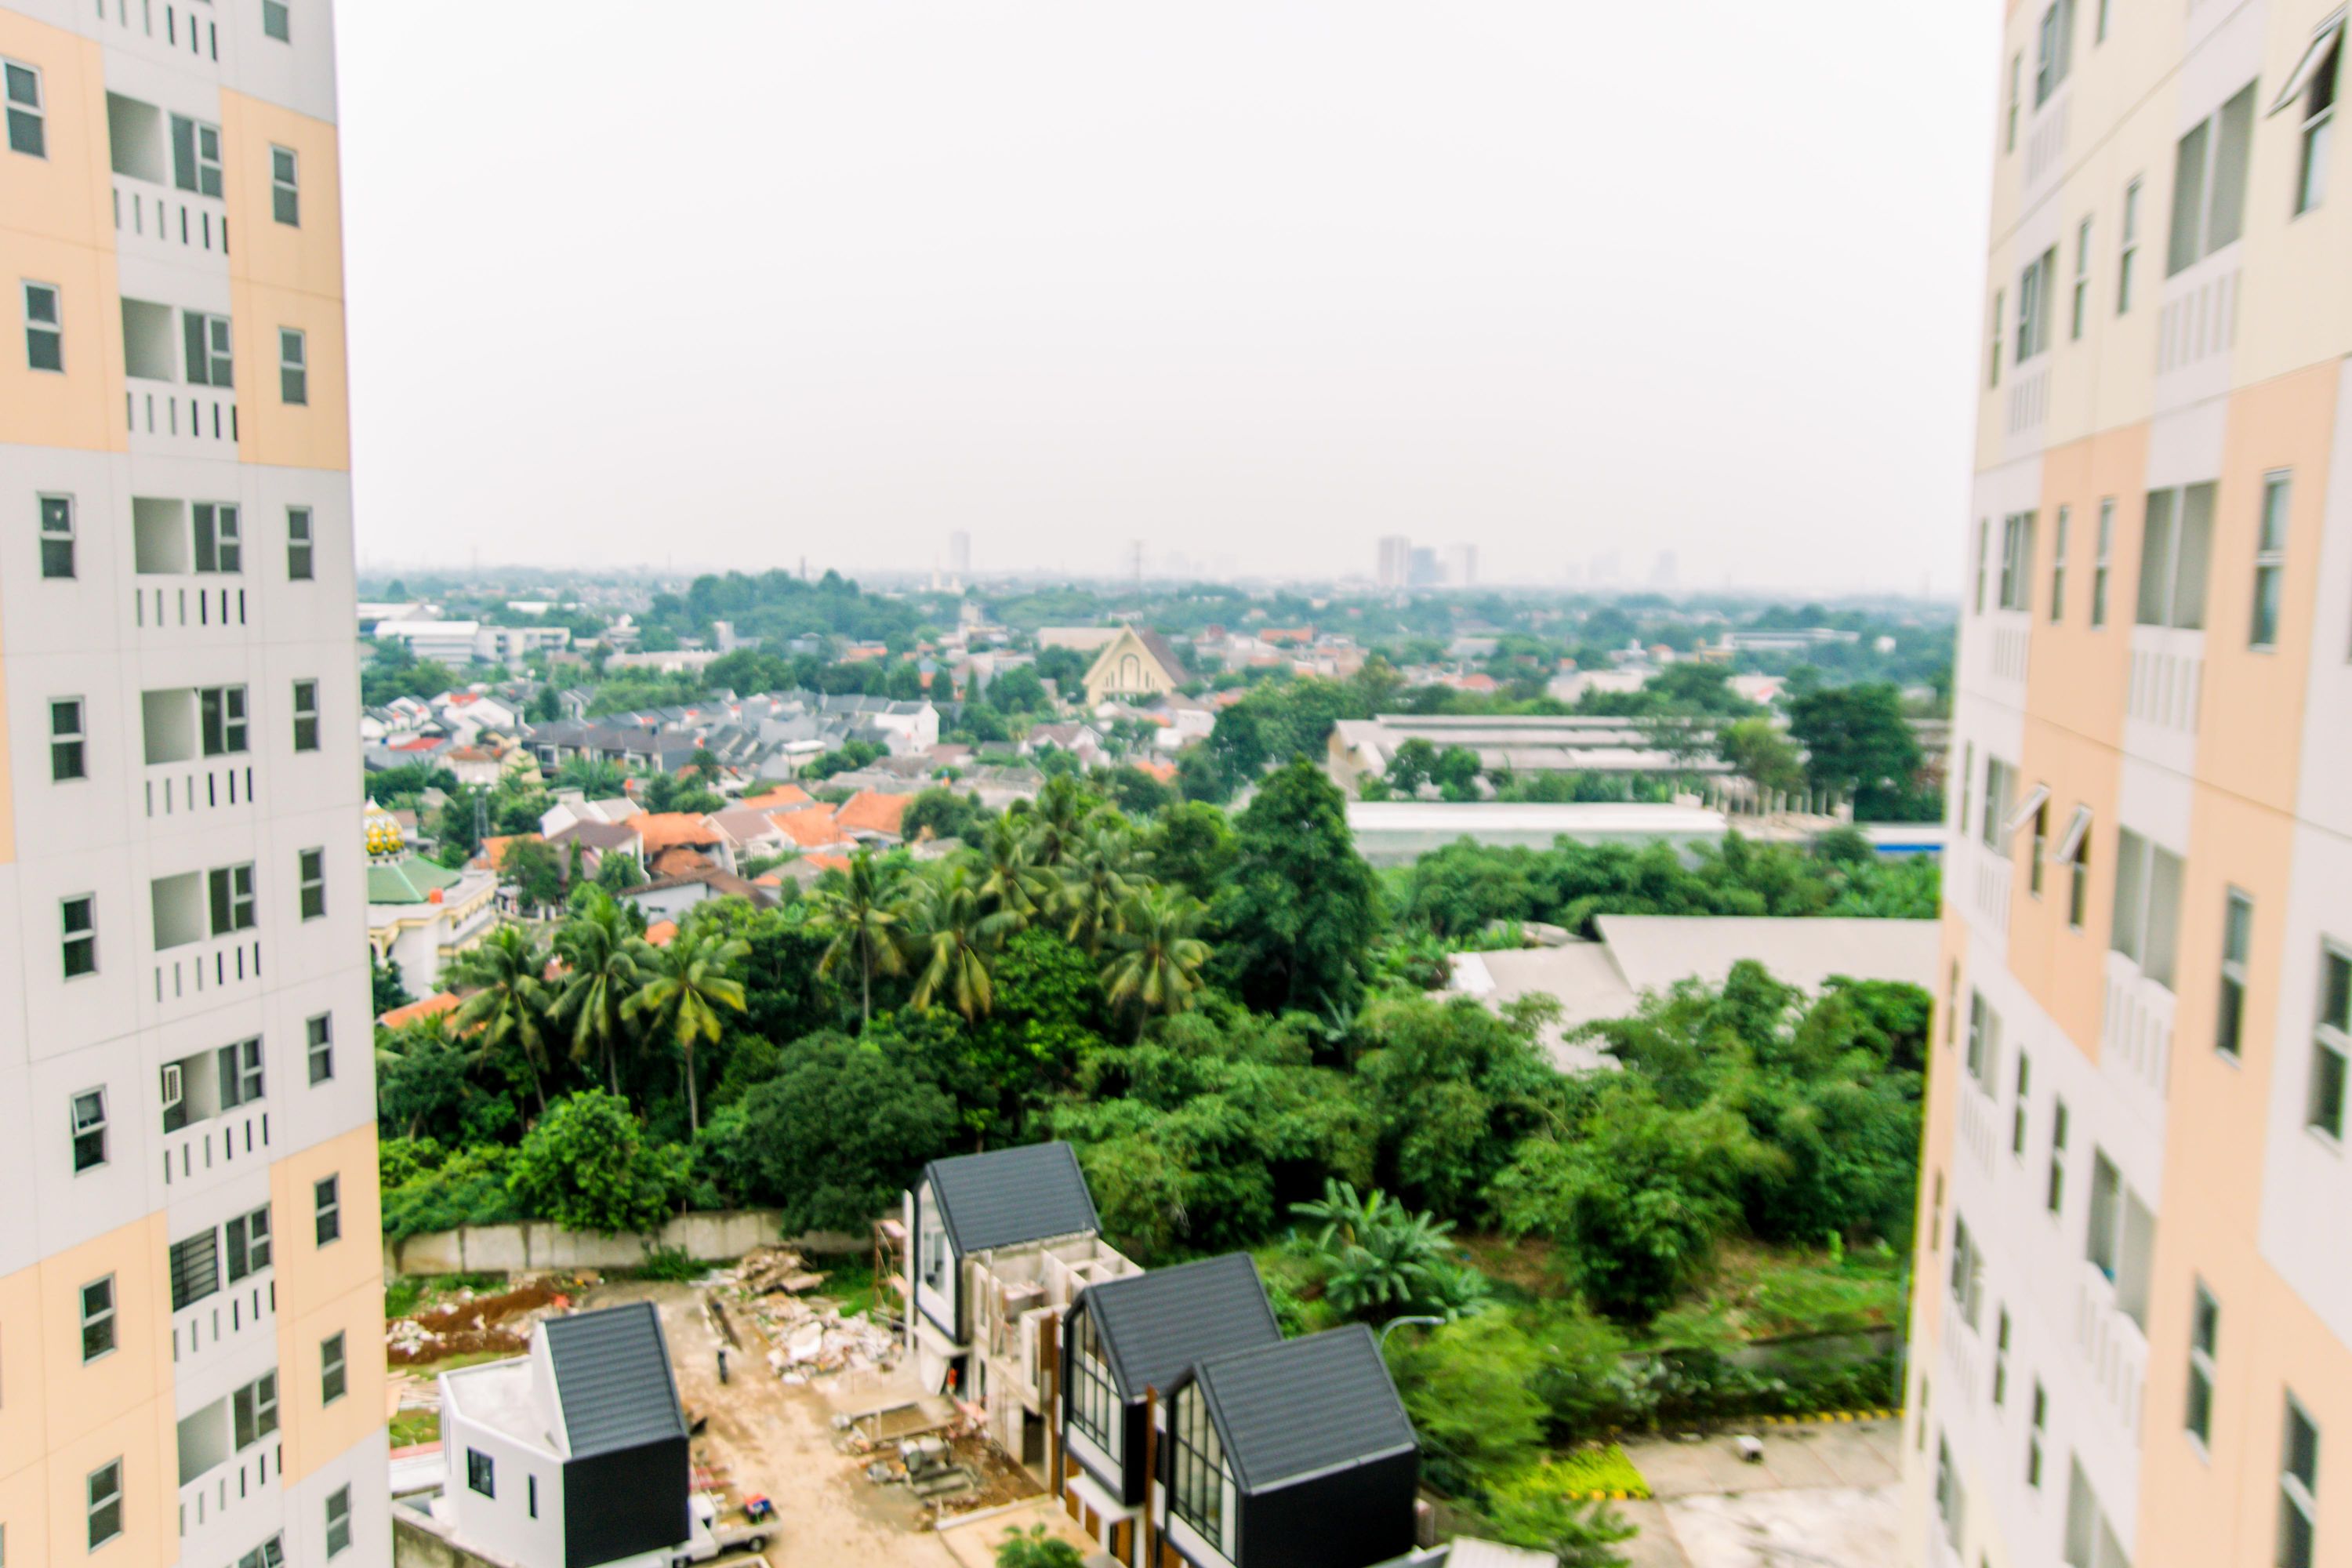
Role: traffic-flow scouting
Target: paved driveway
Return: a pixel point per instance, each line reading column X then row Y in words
column 1824, row 1495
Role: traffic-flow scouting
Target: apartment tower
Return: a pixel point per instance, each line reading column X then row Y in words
column 2134, row 1292
column 190, row 1307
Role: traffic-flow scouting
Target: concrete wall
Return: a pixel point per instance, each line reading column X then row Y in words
column 537, row 1244
column 418, row 1542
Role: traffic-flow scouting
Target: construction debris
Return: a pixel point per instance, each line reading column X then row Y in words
column 767, row 1270
column 467, row 1323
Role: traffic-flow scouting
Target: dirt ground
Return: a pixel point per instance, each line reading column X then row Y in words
column 766, row 1436
column 1826, row 1495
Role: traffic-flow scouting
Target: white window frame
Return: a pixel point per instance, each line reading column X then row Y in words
column 2187, row 245
column 2053, row 1199
column 2082, row 282
column 338, row 1521
column 1966, row 1283
column 30, row 115
column 102, row 1487
column 2297, row 1491
column 318, row 1033
column 2314, row 84
column 301, row 545
column 233, row 723
column 86, row 1119
column 2182, row 585
column 2036, row 1425
column 285, row 185
column 1999, row 315
column 2017, row 530
column 293, row 367
column 259, row 1412
column 334, row 1369
column 219, row 537
column 215, row 363
column 2127, row 251
column 1983, row 1058
column 203, row 157
column 2054, row 50
column 310, row 883
column 85, row 935
column 2102, row 560
column 2060, row 543
column 2237, row 945
column 230, row 903
column 100, row 1320
column 2018, row 1109
column 2204, row 1342
column 306, row 713
column 56, row 515
column 45, row 313
column 2270, row 561
column 2016, row 90
column 2000, row 1357
column 74, row 736
column 2037, row 290
column 2135, row 927
column 327, row 1211
column 2331, row 1048
column 277, row 21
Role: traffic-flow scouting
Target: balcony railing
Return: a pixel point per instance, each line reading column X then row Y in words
column 228, row 1140
column 163, row 415
column 241, row 1313
column 2115, row 1350
column 167, row 222
column 244, row 1484
column 188, row 601
column 190, row 788
column 2135, row 1033
column 215, row 970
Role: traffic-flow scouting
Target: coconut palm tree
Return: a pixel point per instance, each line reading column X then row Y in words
column 950, row 932
column 508, row 1010
column 1059, row 817
column 685, row 985
column 860, row 907
column 599, row 952
column 1097, row 883
column 1156, row 954
column 1011, row 880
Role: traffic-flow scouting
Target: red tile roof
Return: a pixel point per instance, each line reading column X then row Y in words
column 660, row 931
column 662, row 829
column 871, row 811
column 782, row 796
column 417, row 1012
column 811, row 827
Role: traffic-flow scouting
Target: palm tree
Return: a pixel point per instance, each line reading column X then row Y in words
column 861, row 907
column 1011, row 879
column 1059, row 814
column 598, row 948
column 508, row 1010
column 593, row 777
column 1097, row 884
column 687, row 982
column 1156, row 955
column 950, row 932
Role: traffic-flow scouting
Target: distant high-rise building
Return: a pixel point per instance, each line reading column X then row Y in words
column 960, row 554
column 1395, row 561
column 1664, row 570
column 2131, row 1331
column 1421, row 571
column 190, row 1270
column 1461, row 566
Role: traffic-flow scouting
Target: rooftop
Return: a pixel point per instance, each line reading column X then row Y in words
column 1156, row 1327
column 1008, row 1196
column 613, row 1376
column 1295, row 1408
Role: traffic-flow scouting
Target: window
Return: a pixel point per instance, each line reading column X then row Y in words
column 210, row 362
column 2001, row 786
column 2175, row 550
column 196, row 1268
column 2099, row 561
column 1094, row 1404
column 2000, row 1359
column 339, row 1520
column 1984, row 1040
column 275, row 20
column 298, row 543
column 481, row 1476
column 2058, row 547
column 2130, row 251
column 1952, row 1501
column 1968, row 1272
column 2270, row 561
column 2148, row 906
column 2237, row 937
column 2331, row 1044
column 270, row 1554
column 333, row 1382
column 2298, row 1487
column 220, row 537
column 2209, row 183
column 2016, row 75
column 531, row 1496
column 1984, row 534
column 2036, row 291
column 1968, row 777
column 322, row 1031
column 306, row 715
column 293, row 372
column 2039, row 848
column 326, row 1196
column 310, row 868
column 2054, row 50
column 2099, row 32
column 88, row 1119
column 253, row 1410
column 44, row 333
column 2017, row 560
column 68, row 761
column 2017, row 1108
column 232, row 899
column 105, row 1493
column 2078, row 867
column 78, row 916
column 97, row 1318
column 285, row 194
column 221, row 722
column 2055, row 1201
column 2204, row 1334
column 1197, row 1493
column 2082, row 280
column 240, row 1074
column 57, row 536
column 249, row 1244
column 2318, row 115
column 195, row 157
column 28, row 131
column 2034, row 1429
column 1999, row 311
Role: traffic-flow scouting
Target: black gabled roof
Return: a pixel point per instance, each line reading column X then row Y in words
column 1007, row 1196
column 613, row 1378
column 1291, row 1410
column 1153, row 1327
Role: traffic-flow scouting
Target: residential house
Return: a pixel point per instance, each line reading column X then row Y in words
column 474, row 767
column 421, row 915
column 1001, row 1242
column 668, row 896
column 872, row 816
column 1083, row 741
column 572, row 1454
column 1135, row 664
column 1125, row 1345
column 467, row 714
column 571, row 806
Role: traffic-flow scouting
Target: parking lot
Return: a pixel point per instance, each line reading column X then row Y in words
column 1825, row 1495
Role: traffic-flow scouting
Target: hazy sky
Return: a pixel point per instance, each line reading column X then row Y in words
column 739, row 282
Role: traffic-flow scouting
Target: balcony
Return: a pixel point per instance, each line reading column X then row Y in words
column 226, row 1487
column 2114, row 1348
column 197, row 760
column 168, row 26
column 2135, row 1033
column 171, row 405
column 204, row 955
column 214, row 1118
column 1994, row 876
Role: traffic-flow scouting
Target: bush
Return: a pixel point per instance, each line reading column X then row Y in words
column 669, row 1263
column 587, row 1167
column 467, row 1187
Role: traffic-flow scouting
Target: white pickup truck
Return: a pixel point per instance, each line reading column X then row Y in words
column 711, row 1539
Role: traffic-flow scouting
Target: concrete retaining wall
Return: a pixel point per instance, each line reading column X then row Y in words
column 419, row 1541
column 537, row 1244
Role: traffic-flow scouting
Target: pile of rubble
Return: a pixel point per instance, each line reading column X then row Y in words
column 813, row 1337
column 466, row 1323
column 765, row 1270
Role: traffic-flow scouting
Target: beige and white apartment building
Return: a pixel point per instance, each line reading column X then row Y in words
column 2132, row 1341
column 190, row 1308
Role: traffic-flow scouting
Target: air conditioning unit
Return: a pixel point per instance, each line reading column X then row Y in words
column 173, row 1094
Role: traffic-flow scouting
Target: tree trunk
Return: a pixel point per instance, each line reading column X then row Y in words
column 866, row 983
column 693, row 1103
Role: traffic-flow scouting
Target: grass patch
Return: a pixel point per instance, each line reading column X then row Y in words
column 1600, row 1468
column 406, row 1295
column 1755, row 1293
column 411, row 1428
column 849, row 1280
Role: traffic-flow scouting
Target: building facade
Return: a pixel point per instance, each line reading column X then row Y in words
column 2133, row 1302
column 191, row 1293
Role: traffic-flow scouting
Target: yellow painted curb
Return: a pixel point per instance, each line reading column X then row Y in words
column 1828, row 1415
